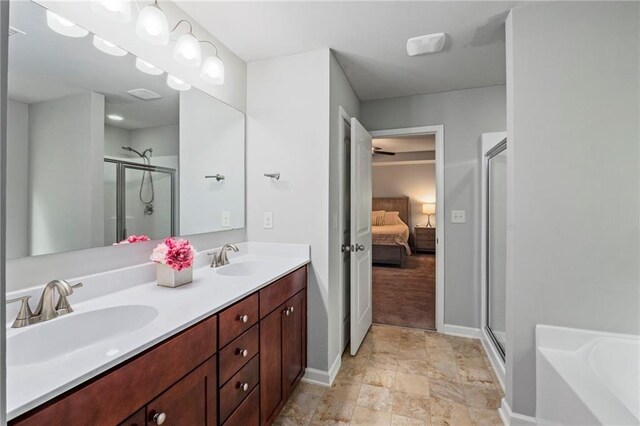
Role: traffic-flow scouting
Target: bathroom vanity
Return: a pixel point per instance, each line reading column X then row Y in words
column 234, row 365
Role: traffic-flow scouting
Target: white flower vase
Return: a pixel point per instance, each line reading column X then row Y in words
column 168, row 277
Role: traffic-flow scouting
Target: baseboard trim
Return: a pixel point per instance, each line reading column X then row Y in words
column 509, row 418
column 323, row 377
column 494, row 359
column 458, row 330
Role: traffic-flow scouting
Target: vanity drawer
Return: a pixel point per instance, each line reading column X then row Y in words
column 237, row 319
column 233, row 393
column 112, row 397
column 280, row 291
column 239, row 352
column 248, row 413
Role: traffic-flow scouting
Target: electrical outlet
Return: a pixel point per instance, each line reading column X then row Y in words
column 226, row 219
column 268, row 220
column 458, row 216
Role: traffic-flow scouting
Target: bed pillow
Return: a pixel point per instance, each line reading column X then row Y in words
column 377, row 218
column 391, row 218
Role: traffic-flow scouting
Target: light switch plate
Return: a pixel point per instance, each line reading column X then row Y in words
column 226, row 219
column 458, row 216
column 268, row 220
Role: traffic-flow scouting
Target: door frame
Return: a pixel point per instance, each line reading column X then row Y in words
column 345, row 122
column 438, row 131
column 488, row 141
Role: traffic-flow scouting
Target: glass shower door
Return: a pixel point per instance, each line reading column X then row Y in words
column 496, row 242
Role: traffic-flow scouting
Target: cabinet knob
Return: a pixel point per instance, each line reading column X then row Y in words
column 243, row 386
column 291, row 309
column 159, row 418
column 287, row 311
column 243, row 318
column 243, row 352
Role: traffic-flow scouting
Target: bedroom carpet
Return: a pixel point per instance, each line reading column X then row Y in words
column 406, row 296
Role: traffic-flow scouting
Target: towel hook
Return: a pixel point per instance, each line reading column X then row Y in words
column 275, row 175
column 217, row 177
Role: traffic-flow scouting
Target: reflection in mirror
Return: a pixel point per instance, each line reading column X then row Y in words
column 100, row 147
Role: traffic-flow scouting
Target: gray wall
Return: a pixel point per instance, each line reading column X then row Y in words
column 573, row 254
column 17, row 179
column 465, row 114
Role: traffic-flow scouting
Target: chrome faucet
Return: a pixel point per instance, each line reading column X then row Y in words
column 220, row 257
column 47, row 308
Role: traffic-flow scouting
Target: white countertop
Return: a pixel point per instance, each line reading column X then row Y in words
column 30, row 385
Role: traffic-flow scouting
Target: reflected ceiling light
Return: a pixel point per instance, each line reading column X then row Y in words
column 212, row 70
column 63, row 26
column 108, row 47
column 176, row 83
column 147, row 68
column 187, row 49
column 115, row 117
column 116, row 10
column 152, row 25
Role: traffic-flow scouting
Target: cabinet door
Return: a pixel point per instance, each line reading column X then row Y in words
column 293, row 331
column 189, row 402
column 271, row 378
column 136, row 419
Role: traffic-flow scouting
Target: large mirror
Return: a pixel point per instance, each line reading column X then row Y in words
column 99, row 150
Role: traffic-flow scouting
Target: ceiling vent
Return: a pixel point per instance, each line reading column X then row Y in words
column 144, row 94
column 14, row 31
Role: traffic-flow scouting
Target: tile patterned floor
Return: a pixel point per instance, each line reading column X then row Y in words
column 403, row 376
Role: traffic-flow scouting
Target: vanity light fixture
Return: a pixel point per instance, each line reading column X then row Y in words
column 115, row 117
column 152, row 25
column 108, row 47
column 63, row 26
column 177, row 84
column 147, row 68
column 187, row 49
column 115, row 10
column 212, row 70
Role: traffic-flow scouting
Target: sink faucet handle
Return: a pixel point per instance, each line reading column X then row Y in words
column 24, row 314
column 63, row 306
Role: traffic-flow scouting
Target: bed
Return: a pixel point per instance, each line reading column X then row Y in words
column 390, row 243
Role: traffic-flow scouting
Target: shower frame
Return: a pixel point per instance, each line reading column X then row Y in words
column 121, row 186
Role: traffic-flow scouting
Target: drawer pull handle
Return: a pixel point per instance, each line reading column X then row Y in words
column 159, row 418
column 243, row 318
column 243, row 386
column 243, row 352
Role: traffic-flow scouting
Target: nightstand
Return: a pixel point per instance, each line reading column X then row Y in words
column 425, row 239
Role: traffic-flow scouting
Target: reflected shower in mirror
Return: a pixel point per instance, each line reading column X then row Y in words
column 100, row 147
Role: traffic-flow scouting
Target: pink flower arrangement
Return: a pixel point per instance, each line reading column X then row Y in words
column 133, row 239
column 175, row 253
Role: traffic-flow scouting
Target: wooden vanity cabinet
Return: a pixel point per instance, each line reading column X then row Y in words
column 237, row 367
column 283, row 345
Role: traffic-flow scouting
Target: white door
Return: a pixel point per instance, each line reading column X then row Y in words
column 361, row 312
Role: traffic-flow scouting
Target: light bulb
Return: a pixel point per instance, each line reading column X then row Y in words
column 116, row 10
column 147, row 68
column 152, row 26
column 108, row 47
column 176, row 83
column 187, row 50
column 63, row 26
column 212, row 70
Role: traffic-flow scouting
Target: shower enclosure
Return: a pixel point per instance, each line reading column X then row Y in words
column 494, row 241
column 140, row 199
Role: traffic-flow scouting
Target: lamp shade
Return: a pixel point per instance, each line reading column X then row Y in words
column 152, row 26
column 108, row 47
column 147, row 68
column 429, row 208
column 177, row 84
column 116, row 10
column 212, row 70
column 63, row 26
column 187, row 51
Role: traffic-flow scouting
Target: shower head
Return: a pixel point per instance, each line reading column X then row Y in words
column 128, row 148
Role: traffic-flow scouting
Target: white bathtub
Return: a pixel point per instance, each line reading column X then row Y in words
column 587, row 377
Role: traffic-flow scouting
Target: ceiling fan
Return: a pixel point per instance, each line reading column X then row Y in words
column 377, row 150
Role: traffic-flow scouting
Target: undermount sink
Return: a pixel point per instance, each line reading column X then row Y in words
column 56, row 338
column 242, row 269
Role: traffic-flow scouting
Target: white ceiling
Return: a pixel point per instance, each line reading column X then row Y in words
column 406, row 143
column 369, row 39
column 44, row 65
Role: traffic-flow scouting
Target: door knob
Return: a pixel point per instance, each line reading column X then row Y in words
column 346, row 247
column 359, row 247
column 159, row 418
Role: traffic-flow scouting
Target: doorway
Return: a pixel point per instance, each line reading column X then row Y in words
column 347, row 213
